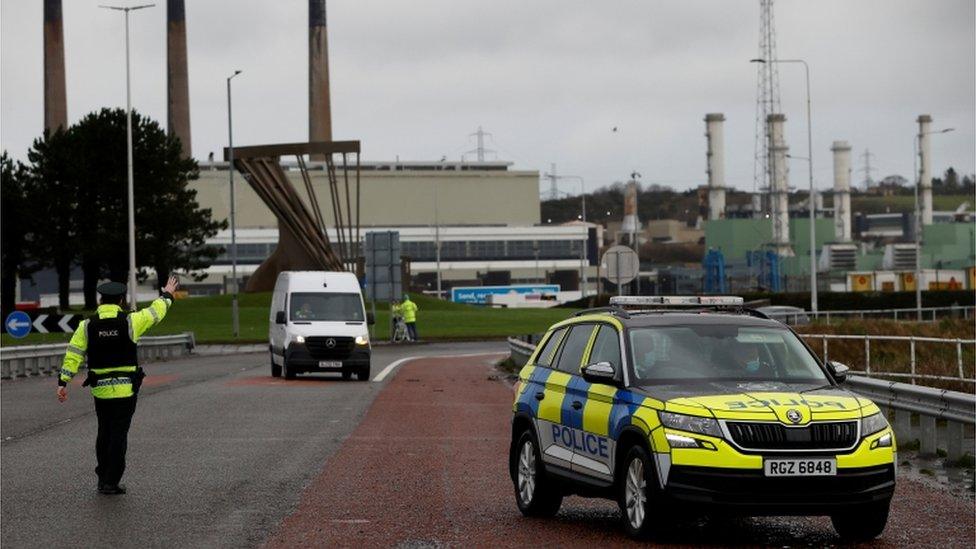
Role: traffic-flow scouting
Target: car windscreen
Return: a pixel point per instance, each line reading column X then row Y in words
column 674, row 354
column 319, row 306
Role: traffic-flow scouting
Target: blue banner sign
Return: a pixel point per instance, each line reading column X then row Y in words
column 478, row 295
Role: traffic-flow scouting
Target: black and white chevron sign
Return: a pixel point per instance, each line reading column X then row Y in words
column 43, row 323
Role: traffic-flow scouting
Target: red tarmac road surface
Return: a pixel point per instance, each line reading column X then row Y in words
column 428, row 467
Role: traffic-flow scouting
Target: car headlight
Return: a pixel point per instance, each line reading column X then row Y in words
column 872, row 424
column 692, row 424
column 299, row 339
column 362, row 340
column 883, row 441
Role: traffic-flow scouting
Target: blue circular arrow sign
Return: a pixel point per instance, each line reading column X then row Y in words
column 18, row 324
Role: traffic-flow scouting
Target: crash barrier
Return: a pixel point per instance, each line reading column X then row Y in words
column 912, row 374
column 35, row 360
column 927, row 314
column 942, row 415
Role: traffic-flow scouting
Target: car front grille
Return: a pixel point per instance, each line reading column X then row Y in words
column 776, row 436
column 319, row 347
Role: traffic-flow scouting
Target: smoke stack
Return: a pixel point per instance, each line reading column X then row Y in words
column 779, row 190
column 55, row 99
column 925, row 167
column 177, row 81
column 319, row 107
column 630, row 223
column 842, row 191
column 716, row 165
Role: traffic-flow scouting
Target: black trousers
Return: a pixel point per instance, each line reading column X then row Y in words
column 114, row 418
column 412, row 330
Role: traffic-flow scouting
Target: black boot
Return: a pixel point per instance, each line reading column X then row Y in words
column 111, row 489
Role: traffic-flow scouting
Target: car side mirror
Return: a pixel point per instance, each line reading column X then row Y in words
column 840, row 370
column 599, row 372
column 370, row 319
column 280, row 317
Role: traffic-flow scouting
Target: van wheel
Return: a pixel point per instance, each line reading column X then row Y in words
column 275, row 369
column 534, row 493
column 637, row 496
column 288, row 372
column 363, row 374
column 347, row 375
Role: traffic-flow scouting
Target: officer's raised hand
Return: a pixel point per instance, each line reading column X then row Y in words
column 171, row 285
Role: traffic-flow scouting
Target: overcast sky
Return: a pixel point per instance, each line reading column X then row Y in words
column 549, row 79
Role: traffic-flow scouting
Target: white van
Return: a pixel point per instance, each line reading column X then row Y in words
column 319, row 324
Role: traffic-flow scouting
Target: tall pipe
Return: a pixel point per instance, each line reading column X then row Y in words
column 842, row 191
column 319, row 107
column 716, row 164
column 55, row 98
column 177, row 81
column 631, row 224
column 779, row 189
column 925, row 166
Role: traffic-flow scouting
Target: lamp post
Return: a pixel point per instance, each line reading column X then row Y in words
column 918, row 220
column 233, row 225
column 813, row 229
column 128, row 150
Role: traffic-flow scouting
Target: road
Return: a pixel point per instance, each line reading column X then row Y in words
column 223, row 455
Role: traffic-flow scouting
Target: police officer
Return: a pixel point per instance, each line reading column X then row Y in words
column 409, row 311
column 108, row 341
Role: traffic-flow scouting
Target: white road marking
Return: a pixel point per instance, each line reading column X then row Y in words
column 396, row 363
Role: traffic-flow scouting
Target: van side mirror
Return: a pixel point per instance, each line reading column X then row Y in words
column 840, row 370
column 370, row 319
column 599, row 372
column 280, row 317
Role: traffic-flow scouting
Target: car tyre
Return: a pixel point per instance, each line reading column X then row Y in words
column 363, row 374
column 534, row 492
column 275, row 369
column 288, row 372
column 346, row 375
column 861, row 523
column 638, row 495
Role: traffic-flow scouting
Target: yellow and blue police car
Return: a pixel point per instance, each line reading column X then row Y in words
column 696, row 404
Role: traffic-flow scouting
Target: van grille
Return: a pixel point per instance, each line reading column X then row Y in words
column 319, row 347
column 776, row 436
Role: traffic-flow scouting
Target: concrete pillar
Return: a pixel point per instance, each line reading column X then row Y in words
column 780, row 186
column 927, row 435
column 953, row 435
column 842, row 191
column 177, row 80
column 716, row 164
column 319, row 107
column 925, row 167
column 55, row 97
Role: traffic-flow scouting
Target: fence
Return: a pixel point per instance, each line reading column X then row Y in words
column 913, row 341
column 27, row 360
column 928, row 313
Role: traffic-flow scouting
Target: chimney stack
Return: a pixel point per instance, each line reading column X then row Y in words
column 55, row 99
column 716, row 165
column 780, row 187
column 177, row 81
column 319, row 107
column 925, row 167
column 842, row 191
column 631, row 224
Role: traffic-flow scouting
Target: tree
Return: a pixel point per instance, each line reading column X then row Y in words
column 16, row 219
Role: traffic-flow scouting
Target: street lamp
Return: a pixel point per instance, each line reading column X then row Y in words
column 918, row 220
column 813, row 229
column 128, row 134
column 233, row 224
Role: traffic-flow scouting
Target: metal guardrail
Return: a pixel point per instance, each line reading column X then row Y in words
column 35, row 360
column 957, row 410
column 933, row 313
column 912, row 340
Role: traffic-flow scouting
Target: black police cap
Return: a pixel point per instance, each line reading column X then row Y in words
column 112, row 289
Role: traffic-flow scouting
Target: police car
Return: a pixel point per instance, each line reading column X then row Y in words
column 698, row 405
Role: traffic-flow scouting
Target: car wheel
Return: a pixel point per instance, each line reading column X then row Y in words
column 638, row 494
column 275, row 369
column 347, row 375
column 861, row 523
column 363, row 374
column 288, row 372
column 534, row 494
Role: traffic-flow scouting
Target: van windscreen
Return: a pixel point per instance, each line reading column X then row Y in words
column 326, row 306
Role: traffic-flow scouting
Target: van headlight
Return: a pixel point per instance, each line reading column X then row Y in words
column 872, row 424
column 362, row 340
column 692, row 424
column 299, row 339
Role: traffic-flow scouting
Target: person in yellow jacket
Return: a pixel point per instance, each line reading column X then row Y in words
column 409, row 311
column 107, row 341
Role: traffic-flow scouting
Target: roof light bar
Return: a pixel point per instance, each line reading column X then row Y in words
column 677, row 301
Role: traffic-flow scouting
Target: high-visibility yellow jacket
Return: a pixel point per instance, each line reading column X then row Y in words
column 139, row 322
column 409, row 311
